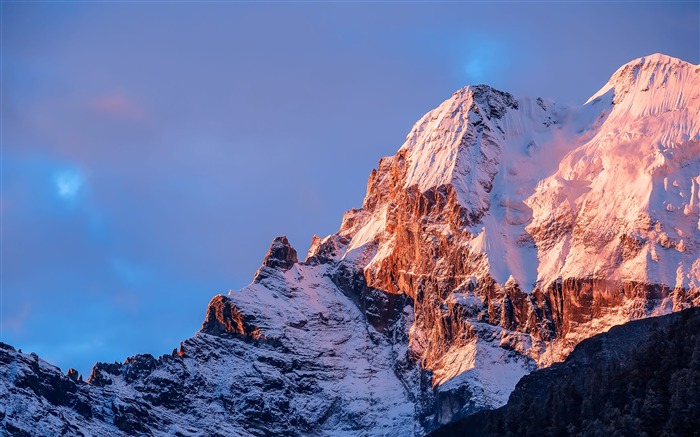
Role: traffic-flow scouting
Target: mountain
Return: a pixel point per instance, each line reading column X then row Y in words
column 293, row 356
column 503, row 233
column 519, row 228
column 638, row 379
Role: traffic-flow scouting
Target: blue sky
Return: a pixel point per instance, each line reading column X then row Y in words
column 151, row 151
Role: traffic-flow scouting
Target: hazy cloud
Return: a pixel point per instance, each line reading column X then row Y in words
column 117, row 105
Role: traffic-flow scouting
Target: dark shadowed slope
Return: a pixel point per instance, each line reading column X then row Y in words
column 639, row 379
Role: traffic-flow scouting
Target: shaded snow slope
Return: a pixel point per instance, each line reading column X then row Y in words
column 358, row 389
column 309, row 365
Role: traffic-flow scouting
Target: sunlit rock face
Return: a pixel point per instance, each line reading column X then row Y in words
column 502, row 233
column 520, row 225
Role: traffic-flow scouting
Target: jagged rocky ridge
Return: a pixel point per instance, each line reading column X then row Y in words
column 294, row 356
column 638, row 379
column 516, row 224
column 501, row 234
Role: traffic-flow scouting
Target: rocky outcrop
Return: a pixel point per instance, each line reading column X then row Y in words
column 281, row 255
column 224, row 318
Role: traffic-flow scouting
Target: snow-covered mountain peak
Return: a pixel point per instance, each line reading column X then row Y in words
column 653, row 84
column 436, row 139
column 640, row 165
column 461, row 142
column 521, row 170
column 655, row 60
column 492, row 195
column 501, row 234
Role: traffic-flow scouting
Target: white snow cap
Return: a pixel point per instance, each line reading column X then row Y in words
column 624, row 165
column 646, row 73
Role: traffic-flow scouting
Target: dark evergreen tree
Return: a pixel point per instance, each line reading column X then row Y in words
column 638, row 380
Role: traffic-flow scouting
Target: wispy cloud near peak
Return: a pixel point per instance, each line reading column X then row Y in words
column 117, row 105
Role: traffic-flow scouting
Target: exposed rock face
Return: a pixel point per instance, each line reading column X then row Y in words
column 551, row 223
column 503, row 232
column 280, row 256
column 224, row 318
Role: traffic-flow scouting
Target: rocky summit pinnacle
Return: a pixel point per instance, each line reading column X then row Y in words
column 281, row 254
column 503, row 232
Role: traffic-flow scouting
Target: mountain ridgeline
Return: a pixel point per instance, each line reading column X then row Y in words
column 503, row 233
